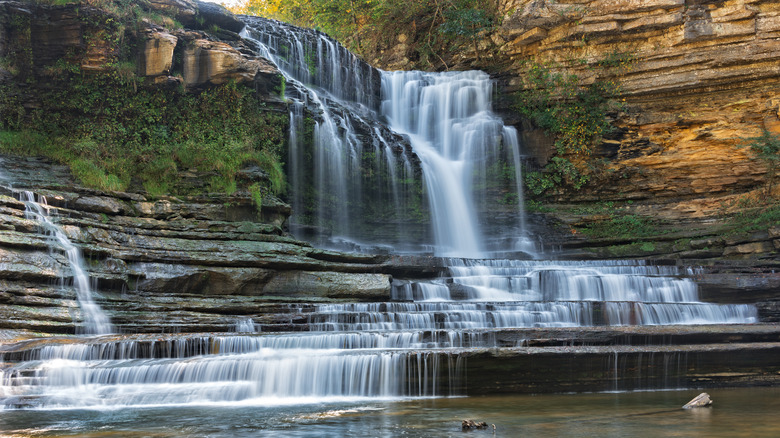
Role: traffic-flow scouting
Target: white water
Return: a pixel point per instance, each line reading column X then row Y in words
column 95, row 320
column 226, row 369
column 448, row 118
column 360, row 167
column 326, row 77
column 358, row 350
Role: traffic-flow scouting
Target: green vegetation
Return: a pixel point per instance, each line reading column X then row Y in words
column 575, row 115
column 757, row 216
column 362, row 25
column 114, row 130
column 757, row 213
column 110, row 131
column 766, row 148
column 622, row 226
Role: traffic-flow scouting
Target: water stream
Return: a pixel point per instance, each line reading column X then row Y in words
column 95, row 320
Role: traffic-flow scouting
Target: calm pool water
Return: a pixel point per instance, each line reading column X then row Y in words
column 747, row 412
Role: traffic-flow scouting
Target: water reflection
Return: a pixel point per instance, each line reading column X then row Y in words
column 736, row 413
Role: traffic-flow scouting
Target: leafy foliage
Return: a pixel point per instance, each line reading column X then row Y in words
column 111, row 131
column 363, row 24
column 766, row 149
column 574, row 114
column 467, row 19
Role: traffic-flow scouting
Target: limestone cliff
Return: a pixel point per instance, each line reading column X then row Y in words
column 34, row 37
column 698, row 77
column 702, row 75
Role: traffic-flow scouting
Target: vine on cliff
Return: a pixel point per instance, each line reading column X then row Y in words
column 766, row 148
column 574, row 114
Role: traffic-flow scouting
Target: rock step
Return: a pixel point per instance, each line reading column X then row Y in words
column 531, row 340
column 619, row 368
column 476, row 371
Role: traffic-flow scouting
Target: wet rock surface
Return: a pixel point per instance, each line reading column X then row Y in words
column 583, row 359
column 165, row 264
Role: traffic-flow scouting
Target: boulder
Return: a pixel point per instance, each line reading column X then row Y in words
column 184, row 10
column 329, row 285
column 156, row 54
column 211, row 62
column 471, row 424
column 212, row 14
column 700, row 401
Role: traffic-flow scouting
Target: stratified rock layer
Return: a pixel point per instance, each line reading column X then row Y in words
column 166, row 264
column 698, row 77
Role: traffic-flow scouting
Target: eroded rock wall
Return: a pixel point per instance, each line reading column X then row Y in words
column 169, row 264
column 698, row 77
column 35, row 37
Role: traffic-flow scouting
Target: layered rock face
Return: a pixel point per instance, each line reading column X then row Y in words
column 163, row 265
column 698, row 77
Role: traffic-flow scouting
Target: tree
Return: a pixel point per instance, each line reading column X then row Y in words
column 766, row 148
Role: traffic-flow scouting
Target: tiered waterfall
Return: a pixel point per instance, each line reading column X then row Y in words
column 392, row 161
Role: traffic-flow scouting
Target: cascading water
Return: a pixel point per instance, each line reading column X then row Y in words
column 412, row 345
column 95, row 320
column 448, row 119
column 333, row 96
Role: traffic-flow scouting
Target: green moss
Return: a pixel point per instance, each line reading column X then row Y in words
column 256, row 192
column 757, row 218
column 92, row 175
column 622, row 226
column 111, row 130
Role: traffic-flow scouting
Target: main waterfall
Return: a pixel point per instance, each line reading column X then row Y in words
column 441, row 162
column 359, row 139
column 448, row 119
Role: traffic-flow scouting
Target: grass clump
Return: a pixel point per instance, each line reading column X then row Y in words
column 628, row 226
column 755, row 218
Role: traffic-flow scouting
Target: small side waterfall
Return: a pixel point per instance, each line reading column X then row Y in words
column 336, row 179
column 95, row 320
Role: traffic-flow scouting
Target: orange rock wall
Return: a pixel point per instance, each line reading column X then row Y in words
column 703, row 75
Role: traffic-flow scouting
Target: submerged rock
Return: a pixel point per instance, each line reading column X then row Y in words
column 471, row 424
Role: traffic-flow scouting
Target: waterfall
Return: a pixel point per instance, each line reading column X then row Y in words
column 448, row 119
column 357, row 351
column 360, row 166
column 261, row 370
column 336, row 88
column 416, row 343
column 95, row 320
